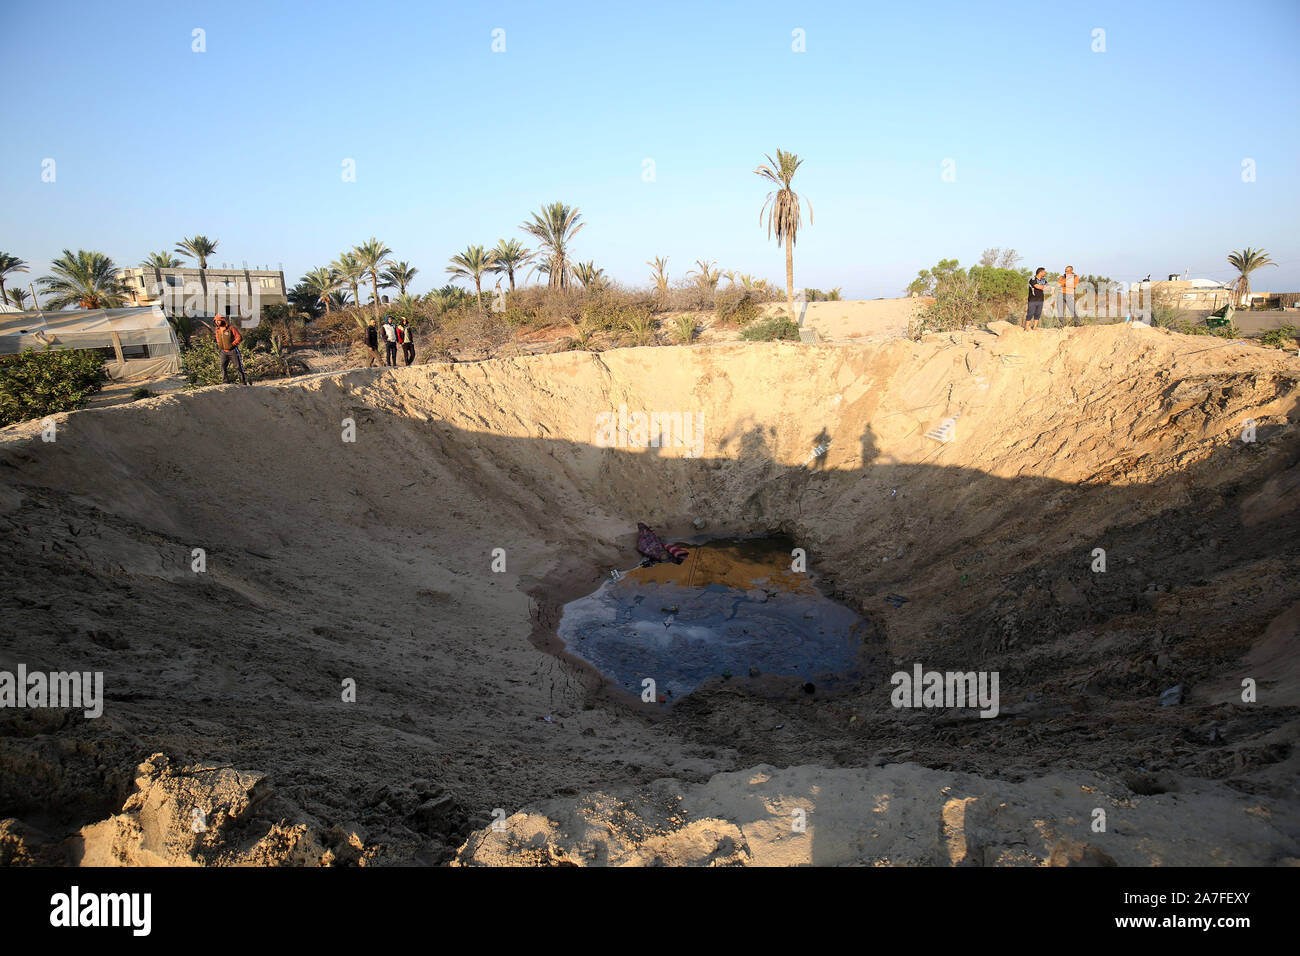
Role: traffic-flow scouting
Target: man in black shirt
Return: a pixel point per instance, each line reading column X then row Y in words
column 372, row 344
column 1034, row 307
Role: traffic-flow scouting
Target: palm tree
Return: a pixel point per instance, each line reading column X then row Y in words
column 782, row 208
column 322, row 282
column 399, row 275
column 373, row 255
column 471, row 264
column 706, row 277
column 87, row 280
column 160, row 260
column 509, row 255
column 351, row 271
column 197, row 247
column 659, row 273
column 554, row 227
column 1246, row 262
column 19, row 298
column 8, row 265
column 589, row 275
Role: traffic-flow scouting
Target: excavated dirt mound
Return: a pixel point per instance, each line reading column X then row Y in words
column 327, row 561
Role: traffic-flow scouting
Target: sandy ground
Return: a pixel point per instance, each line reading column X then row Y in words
column 854, row 320
column 329, row 561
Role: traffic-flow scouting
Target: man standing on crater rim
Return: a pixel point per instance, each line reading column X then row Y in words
column 1034, row 307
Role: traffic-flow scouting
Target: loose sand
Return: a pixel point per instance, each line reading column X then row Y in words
column 372, row 560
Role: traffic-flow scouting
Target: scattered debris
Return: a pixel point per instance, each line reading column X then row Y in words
column 945, row 432
column 897, row 600
column 1172, row 697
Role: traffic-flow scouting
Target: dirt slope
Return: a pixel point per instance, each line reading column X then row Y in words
column 371, row 560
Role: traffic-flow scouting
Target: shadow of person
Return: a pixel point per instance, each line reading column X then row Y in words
column 870, row 450
column 820, row 450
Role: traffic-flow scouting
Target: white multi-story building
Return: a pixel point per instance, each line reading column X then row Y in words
column 204, row 293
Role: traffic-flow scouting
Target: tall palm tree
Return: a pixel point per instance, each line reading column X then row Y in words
column 659, row 273
column 509, row 255
column 198, row 247
column 782, row 208
column 1246, row 262
column 18, row 297
column 471, row 264
column 87, row 280
column 399, row 275
column 8, row 266
column 554, row 228
column 589, row 275
column 160, row 260
column 373, row 256
column 351, row 272
column 322, row 282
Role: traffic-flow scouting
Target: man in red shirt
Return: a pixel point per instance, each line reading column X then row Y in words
column 228, row 338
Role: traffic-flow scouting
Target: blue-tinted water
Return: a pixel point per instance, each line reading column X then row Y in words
column 731, row 606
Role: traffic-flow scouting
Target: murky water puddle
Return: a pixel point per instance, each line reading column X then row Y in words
column 734, row 608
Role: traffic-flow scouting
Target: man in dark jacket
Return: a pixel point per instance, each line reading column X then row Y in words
column 372, row 344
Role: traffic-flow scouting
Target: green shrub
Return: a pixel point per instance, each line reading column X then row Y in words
column 772, row 329
column 956, row 305
column 201, row 365
column 1188, row 327
column 259, row 334
column 35, row 384
column 1168, row 317
column 684, row 329
column 641, row 327
column 1279, row 338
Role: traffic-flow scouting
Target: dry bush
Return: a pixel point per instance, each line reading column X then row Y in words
column 615, row 308
column 474, row 328
column 737, row 306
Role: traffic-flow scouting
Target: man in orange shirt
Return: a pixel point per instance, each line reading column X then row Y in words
column 1067, row 282
column 228, row 338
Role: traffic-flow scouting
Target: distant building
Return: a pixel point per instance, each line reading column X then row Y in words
column 1191, row 294
column 206, row 293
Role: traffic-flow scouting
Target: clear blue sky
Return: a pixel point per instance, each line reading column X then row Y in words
column 1119, row 163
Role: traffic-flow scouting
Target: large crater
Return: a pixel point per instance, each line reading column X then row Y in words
column 428, row 561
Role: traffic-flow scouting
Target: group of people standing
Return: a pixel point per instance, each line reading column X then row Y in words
column 394, row 332
column 1067, row 283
